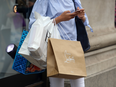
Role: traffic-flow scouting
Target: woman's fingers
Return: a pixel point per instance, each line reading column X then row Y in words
column 72, row 14
column 82, row 9
column 67, row 11
column 78, row 8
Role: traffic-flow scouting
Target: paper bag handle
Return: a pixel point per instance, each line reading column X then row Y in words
column 62, row 29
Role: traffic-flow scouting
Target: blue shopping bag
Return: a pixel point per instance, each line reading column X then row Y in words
column 21, row 64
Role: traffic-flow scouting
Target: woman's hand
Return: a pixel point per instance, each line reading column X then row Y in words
column 81, row 14
column 65, row 16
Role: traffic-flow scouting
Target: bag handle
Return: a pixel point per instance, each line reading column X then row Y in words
column 74, row 5
column 64, row 32
column 62, row 29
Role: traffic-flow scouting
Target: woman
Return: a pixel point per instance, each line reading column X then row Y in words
column 63, row 11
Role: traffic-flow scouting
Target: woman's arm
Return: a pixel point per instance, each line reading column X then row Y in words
column 83, row 19
column 65, row 16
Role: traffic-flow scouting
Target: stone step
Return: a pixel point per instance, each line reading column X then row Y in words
column 104, row 78
column 100, row 60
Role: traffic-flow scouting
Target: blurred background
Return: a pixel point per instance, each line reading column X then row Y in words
column 14, row 18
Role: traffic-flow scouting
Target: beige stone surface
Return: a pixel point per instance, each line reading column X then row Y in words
column 101, row 15
column 102, row 41
column 100, row 60
column 105, row 78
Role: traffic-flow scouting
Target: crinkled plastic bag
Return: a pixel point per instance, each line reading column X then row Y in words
column 42, row 29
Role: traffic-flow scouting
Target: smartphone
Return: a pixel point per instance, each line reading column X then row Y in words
column 77, row 11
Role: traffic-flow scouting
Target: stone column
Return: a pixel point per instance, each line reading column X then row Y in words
column 101, row 15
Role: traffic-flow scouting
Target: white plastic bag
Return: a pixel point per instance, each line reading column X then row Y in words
column 39, row 32
column 34, row 47
column 26, row 54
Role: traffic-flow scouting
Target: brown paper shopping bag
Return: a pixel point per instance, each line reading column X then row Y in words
column 65, row 59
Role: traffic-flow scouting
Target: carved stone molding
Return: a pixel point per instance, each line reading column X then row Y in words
column 99, row 60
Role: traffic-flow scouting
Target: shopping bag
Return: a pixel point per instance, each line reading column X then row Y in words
column 26, row 53
column 41, row 30
column 37, row 40
column 65, row 59
column 22, row 65
column 37, row 51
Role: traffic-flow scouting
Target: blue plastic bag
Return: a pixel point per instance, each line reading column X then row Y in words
column 21, row 64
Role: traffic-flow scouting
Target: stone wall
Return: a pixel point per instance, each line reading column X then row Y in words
column 101, row 15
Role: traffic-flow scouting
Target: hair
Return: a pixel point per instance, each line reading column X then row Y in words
column 21, row 2
column 32, row 0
